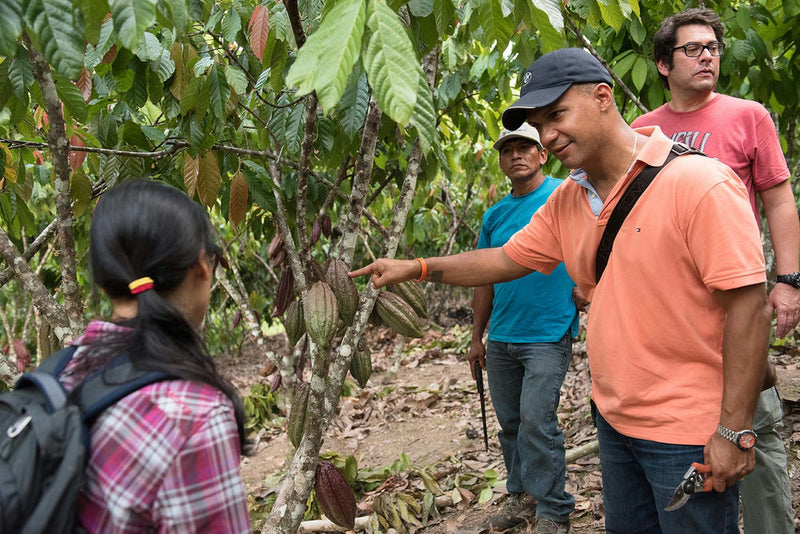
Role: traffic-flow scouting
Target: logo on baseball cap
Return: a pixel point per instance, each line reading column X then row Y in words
column 549, row 77
column 525, row 131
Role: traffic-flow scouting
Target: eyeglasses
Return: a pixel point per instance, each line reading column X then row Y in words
column 696, row 49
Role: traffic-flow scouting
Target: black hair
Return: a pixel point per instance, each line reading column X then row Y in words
column 664, row 39
column 142, row 229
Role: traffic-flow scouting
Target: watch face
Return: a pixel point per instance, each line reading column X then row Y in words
column 747, row 440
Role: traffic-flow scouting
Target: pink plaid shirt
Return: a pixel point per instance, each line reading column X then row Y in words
column 163, row 459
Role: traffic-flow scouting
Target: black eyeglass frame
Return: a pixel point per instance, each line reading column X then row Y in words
column 720, row 48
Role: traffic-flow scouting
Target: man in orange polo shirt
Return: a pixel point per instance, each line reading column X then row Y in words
column 679, row 323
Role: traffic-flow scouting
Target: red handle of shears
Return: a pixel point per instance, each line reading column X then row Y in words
column 708, row 478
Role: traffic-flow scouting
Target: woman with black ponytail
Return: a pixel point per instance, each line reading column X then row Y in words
column 166, row 457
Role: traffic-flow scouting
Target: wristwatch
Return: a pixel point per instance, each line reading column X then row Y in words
column 792, row 279
column 744, row 439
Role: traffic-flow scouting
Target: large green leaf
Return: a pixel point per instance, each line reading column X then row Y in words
column 445, row 14
column 612, row 14
column 424, row 116
column 179, row 14
column 391, row 64
column 20, row 72
column 218, row 92
column 552, row 8
column 57, row 34
column 548, row 20
column 420, row 8
column 72, row 99
column 326, row 60
column 10, row 26
column 354, row 103
column 164, row 66
column 95, row 54
column 94, row 13
column 131, row 19
column 294, row 128
column 496, row 26
column 149, row 48
column 231, row 24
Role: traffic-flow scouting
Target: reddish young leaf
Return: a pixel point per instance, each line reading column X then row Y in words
column 191, row 167
column 259, row 30
column 76, row 157
column 238, row 203
column 84, row 84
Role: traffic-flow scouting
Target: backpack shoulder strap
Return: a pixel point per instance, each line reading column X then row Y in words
column 626, row 203
column 56, row 362
column 117, row 380
column 44, row 378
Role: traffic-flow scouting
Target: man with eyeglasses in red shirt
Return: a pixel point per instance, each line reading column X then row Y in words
column 741, row 134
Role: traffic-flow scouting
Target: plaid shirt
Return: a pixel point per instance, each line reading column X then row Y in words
column 163, row 459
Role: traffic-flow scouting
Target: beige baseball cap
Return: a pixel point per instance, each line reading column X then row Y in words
column 525, row 131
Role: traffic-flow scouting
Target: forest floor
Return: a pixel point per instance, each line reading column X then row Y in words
column 420, row 415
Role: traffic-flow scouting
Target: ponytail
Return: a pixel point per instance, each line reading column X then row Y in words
column 144, row 238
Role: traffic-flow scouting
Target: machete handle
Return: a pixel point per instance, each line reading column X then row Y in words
column 478, row 376
column 708, row 478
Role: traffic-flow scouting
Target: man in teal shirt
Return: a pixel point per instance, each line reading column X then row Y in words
column 532, row 321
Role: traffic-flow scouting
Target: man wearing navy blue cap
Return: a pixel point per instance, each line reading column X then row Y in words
column 541, row 88
column 678, row 328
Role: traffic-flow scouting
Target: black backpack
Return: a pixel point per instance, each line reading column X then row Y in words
column 44, row 440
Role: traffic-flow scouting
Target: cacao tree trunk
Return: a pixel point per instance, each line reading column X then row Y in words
column 59, row 148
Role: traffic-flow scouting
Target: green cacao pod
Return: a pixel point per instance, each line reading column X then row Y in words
column 345, row 290
column 361, row 364
column 321, row 313
column 297, row 416
column 398, row 314
column 293, row 322
column 334, row 495
column 411, row 293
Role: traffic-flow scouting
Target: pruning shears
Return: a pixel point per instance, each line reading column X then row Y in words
column 698, row 478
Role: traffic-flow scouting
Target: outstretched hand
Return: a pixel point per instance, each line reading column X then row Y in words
column 386, row 272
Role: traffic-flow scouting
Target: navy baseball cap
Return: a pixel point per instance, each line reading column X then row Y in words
column 549, row 77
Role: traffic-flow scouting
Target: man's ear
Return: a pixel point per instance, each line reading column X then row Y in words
column 604, row 95
column 662, row 67
column 542, row 155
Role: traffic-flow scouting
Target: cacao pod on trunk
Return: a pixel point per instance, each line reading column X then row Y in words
column 293, row 322
column 285, row 293
column 361, row 364
column 297, row 416
column 334, row 495
column 411, row 293
column 321, row 313
column 398, row 314
column 345, row 290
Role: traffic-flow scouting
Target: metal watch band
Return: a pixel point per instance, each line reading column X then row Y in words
column 732, row 435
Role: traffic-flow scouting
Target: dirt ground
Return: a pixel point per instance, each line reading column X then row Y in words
column 422, row 402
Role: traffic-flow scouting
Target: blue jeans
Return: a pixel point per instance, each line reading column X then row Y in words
column 640, row 478
column 525, row 382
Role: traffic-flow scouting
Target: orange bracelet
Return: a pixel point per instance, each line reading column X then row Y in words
column 424, row 271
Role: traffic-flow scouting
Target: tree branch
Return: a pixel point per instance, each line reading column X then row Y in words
column 586, row 43
column 54, row 314
column 59, row 148
column 37, row 244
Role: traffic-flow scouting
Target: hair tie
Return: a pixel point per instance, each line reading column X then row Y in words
column 140, row 285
